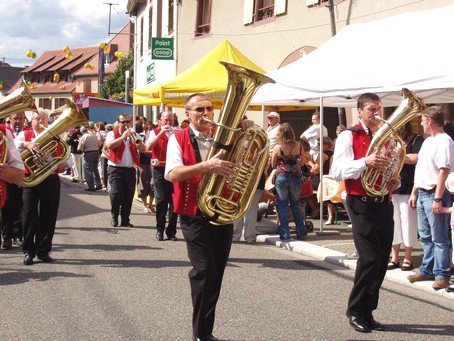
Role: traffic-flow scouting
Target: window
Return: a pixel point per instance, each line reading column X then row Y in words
column 150, row 26
column 259, row 10
column 87, row 86
column 170, row 28
column 203, row 17
column 45, row 103
column 59, row 102
column 264, row 9
column 141, row 38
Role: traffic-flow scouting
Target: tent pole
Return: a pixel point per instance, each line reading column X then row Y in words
column 320, row 186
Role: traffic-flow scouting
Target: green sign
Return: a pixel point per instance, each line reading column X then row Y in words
column 150, row 73
column 162, row 48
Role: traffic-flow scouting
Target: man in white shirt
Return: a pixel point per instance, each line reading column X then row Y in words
column 312, row 135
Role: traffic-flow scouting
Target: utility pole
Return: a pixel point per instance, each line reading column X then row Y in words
column 110, row 13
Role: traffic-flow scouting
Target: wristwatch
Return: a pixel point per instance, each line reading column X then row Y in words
column 437, row 199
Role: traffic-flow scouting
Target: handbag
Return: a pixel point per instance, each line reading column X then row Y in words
column 271, row 180
column 306, row 189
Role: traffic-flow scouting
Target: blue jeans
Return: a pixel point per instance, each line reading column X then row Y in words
column 287, row 191
column 434, row 234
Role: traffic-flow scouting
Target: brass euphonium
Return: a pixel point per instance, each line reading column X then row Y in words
column 19, row 100
column 388, row 143
column 225, row 200
column 39, row 166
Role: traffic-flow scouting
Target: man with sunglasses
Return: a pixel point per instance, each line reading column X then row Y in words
column 163, row 189
column 123, row 155
column 208, row 245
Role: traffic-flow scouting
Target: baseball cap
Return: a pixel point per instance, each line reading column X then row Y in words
column 273, row 114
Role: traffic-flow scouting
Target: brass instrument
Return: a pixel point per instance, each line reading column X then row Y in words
column 40, row 165
column 225, row 200
column 387, row 142
column 19, row 100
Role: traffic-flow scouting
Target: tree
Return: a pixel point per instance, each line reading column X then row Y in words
column 114, row 85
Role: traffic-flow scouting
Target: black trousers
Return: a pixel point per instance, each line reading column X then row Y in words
column 163, row 190
column 373, row 229
column 11, row 213
column 208, row 250
column 39, row 215
column 122, row 187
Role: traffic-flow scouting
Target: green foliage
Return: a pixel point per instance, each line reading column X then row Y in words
column 114, row 84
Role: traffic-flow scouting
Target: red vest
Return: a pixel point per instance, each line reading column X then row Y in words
column 361, row 142
column 160, row 149
column 115, row 154
column 185, row 192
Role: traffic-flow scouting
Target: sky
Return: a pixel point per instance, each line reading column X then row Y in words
column 42, row 25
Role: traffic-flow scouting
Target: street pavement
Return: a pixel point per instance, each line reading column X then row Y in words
column 122, row 284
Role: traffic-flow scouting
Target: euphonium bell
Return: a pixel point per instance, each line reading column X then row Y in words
column 225, row 200
column 53, row 149
column 387, row 142
column 19, row 100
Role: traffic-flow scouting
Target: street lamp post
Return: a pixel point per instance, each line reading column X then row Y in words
column 126, row 86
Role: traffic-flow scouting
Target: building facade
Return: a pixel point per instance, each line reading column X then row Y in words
column 271, row 33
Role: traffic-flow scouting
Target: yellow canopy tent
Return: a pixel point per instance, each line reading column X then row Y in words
column 206, row 76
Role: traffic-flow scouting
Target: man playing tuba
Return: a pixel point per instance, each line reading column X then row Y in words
column 41, row 201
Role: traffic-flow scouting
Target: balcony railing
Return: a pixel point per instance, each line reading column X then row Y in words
column 202, row 30
column 265, row 12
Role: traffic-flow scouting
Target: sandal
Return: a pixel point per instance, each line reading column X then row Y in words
column 393, row 265
column 407, row 266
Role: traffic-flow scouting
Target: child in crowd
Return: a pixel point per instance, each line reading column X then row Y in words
column 449, row 210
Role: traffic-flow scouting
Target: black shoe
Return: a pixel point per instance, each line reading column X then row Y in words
column 209, row 338
column 173, row 238
column 160, row 236
column 28, row 260
column 359, row 324
column 127, row 225
column 375, row 325
column 114, row 222
column 7, row 244
column 89, row 189
column 45, row 258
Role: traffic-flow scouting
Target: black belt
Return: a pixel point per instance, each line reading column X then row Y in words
column 372, row 199
column 432, row 190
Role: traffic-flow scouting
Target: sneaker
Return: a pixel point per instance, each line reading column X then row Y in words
column 7, row 244
column 418, row 278
column 440, row 284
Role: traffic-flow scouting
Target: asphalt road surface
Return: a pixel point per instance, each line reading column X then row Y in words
column 122, row 284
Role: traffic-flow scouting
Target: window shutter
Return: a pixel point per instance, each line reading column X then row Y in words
column 280, row 7
column 248, row 12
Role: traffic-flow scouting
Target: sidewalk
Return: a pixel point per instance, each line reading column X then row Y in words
column 337, row 248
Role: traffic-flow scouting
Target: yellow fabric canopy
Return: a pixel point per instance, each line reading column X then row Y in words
column 206, row 76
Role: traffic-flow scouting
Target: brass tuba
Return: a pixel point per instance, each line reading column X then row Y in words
column 19, row 100
column 225, row 200
column 39, row 166
column 387, row 142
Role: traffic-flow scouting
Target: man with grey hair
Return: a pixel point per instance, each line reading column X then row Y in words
column 89, row 145
column 312, row 135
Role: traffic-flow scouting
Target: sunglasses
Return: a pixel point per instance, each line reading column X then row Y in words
column 124, row 121
column 202, row 109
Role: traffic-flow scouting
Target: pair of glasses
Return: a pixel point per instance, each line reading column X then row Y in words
column 8, row 122
column 124, row 121
column 202, row 109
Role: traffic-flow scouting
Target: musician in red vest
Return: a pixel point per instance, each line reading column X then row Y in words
column 208, row 245
column 372, row 217
column 122, row 143
column 41, row 202
column 11, row 212
column 157, row 144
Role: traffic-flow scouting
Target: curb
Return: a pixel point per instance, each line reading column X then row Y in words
column 338, row 258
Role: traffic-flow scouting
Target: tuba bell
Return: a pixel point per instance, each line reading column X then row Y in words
column 54, row 150
column 387, row 142
column 225, row 200
column 19, row 100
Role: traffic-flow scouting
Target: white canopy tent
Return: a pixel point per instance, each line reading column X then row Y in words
column 412, row 50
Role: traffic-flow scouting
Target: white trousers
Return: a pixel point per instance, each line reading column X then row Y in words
column 405, row 221
column 249, row 221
